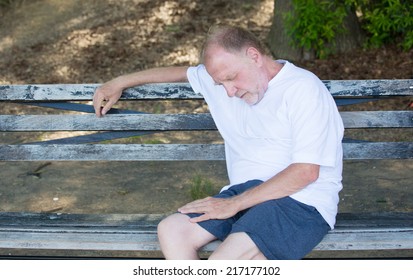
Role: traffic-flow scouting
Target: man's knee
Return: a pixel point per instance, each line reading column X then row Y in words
column 172, row 227
column 177, row 227
column 181, row 239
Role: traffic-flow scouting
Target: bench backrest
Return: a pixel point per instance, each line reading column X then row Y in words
column 126, row 123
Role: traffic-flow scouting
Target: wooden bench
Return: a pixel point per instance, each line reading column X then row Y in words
column 135, row 234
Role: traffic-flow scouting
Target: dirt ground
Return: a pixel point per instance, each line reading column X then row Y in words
column 74, row 41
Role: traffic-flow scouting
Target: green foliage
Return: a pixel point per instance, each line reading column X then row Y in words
column 313, row 24
column 201, row 187
column 388, row 20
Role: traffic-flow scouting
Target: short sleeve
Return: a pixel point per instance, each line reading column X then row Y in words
column 201, row 82
column 193, row 78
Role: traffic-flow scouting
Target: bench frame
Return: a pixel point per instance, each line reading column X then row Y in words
column 137, row 232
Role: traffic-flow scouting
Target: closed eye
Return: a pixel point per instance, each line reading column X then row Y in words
column 227, row 79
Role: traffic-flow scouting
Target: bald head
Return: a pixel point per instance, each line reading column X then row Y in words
column 231, row 39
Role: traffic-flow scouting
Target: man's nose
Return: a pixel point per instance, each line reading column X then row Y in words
column 231, row 90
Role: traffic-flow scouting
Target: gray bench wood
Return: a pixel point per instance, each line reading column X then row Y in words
column 51, row 231
column 137, row 232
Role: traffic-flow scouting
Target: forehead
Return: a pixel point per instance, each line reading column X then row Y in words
column 220, row 64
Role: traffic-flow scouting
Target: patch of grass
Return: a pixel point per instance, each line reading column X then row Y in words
column 173, row 28
column 153, row 141
column 122, row 192
column 201, row 187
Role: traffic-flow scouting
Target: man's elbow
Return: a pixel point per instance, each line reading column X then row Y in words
column 311, row 172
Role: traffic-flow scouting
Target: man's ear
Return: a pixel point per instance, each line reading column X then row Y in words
column 254, row 55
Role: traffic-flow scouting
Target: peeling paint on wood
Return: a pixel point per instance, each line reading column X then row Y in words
column 174, row 152
column 355, row 88
column 81, row 92
column 112, row 152
column 172, row 122
column 119, row 122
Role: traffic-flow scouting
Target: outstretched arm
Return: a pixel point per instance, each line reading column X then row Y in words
column 111, row 91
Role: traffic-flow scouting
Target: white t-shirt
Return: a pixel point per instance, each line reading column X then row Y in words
column 297, row 121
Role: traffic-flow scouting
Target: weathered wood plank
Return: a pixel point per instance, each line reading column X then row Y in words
column 150, row 221
column 377, row 119
column 118, row 122
column 79, row 92
column 378, row 150
column 339, row 88
column 359, row 88
column 130, row 240
column 115, row 152
column 165, row 122
column 378, row 219
column 172, row 152
column 38, row 220
column 138, row 233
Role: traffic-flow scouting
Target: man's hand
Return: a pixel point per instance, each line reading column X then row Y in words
column 211, row 208
column 109, row 93
column 105, row 97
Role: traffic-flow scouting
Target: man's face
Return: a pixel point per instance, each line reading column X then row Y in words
column 239, row 73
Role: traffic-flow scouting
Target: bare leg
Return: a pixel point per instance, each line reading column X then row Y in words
column 180, row 239
column 237, row 246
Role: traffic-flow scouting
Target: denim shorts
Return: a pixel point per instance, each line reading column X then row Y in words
column 281, row 228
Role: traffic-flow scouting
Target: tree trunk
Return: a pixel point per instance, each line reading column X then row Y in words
column 353, row 36
column 281, row 45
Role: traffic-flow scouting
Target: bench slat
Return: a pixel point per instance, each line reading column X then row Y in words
column 84, row 92
column 339, row 88
column 164, row 122
column 147, row 241
column 134, row 232
column 359, row 88
column 172, row 152
column 116, row 152
column 377, row 119
column 142, row 222
column 378, row 150
column 118, row 122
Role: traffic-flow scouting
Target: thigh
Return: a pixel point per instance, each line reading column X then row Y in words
column 283, row 228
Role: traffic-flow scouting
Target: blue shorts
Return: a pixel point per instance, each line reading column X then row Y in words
column 281, row 228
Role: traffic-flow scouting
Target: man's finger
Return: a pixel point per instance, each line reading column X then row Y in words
column 194, row 204
column 107, row 106
column 191, row 209
column 97, row 104
column 199, row 218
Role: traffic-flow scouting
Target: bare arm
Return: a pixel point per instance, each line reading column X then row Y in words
column 289, row 181
column 111, row 91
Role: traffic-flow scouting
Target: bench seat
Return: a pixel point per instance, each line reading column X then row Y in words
column 137, row 232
